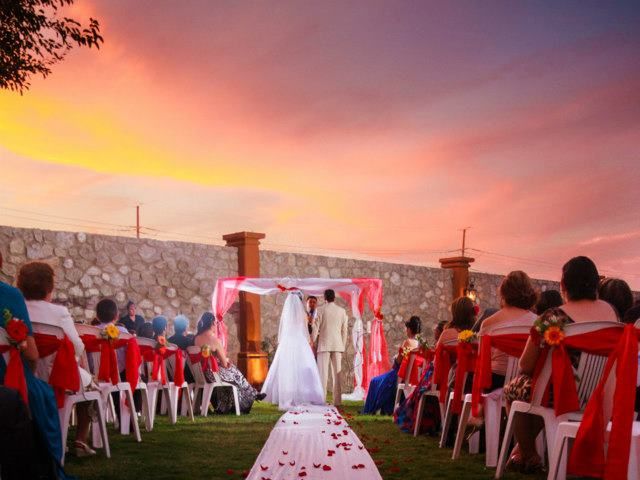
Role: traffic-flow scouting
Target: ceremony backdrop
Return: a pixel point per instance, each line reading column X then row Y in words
column 178, row 277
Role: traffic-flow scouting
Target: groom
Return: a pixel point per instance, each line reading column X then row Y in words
column 330, row 331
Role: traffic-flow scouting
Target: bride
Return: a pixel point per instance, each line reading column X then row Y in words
column 293, row 378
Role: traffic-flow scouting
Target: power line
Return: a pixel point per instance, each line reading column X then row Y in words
column 86, row 227
column 66, row 218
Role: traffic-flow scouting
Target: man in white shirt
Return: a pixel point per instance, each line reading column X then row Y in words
column 330, row 332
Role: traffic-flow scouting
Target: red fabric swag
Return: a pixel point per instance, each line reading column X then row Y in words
column 64, row 371
column 466, row 353
column 414, row 378
column 512, row 344
column 108, row 371
column 133, row 362
column 178, row 375
column 204, row 362
column 442, row 366
column 588, row 454
column 14, row 375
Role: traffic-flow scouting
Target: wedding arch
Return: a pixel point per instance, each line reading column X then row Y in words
column 353, row 290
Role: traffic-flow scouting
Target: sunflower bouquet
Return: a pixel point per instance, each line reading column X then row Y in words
column 205, row 351
column 467, row 336
column 551, row 330
column 110, row 332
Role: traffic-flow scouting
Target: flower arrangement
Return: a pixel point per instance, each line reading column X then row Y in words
column 467, row 336
column 405, row 352
column 161, row 344
column 551, row 329
column 423, row 343
column 205, row 351
column 110, row 332
column 16, row 329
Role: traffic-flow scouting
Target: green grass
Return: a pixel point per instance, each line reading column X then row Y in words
column 211, row 447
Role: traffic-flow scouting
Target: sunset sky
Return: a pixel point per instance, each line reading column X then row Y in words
column 373, row 129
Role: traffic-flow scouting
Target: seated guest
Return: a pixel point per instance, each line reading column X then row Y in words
column 36, row 281
column 42, row 402
column 617, row 293
column 131, row 320
column 632, row 315
column 547, row 299
column 146, row 330
column 463, row 316
column 486, row 314
column 159, row 326
column 382, row 389
column 180, row 337
column 107, row 313
column 223, row 397
column 579, row 288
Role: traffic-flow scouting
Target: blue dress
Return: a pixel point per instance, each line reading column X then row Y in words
column 382, row 392
column 42, row 402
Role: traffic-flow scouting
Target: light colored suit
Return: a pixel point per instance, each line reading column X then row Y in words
column 330, row 331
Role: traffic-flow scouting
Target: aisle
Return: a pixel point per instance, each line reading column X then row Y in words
column 313, row 442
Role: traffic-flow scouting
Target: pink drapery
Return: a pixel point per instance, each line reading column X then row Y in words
column 353, row 290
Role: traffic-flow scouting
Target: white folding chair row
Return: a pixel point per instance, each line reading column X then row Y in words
column 73, row 398
column 203, row 389
column 589, row 369
column 156, row 390
column 176, row 391
column 128, row 416
column 493, row 405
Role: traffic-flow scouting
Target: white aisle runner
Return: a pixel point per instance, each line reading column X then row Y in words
column 313, row 443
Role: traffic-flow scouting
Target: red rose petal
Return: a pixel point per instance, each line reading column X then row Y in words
column 264, row 468
column 285, row 453
column 229, row 472
column 302, row 474
column 292, row 463
column 280, row 463
column 360, row 447
column 326, row 468
column 317, row 465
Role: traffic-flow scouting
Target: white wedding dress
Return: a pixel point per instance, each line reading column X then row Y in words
column 293, row 377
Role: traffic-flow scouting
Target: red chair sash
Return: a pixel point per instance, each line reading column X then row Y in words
column 466, row 354
column 64, row 371
column 133, row 362
column 157, row 359
column 442, row 366
column 414, row 377
column 511, row 344
column 108, row 371
column 209, row 361
column 14, row 375
column 565, row 394
column 178, row 374
column 587, row 457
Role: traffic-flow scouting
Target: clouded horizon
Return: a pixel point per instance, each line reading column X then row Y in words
column 372, row 128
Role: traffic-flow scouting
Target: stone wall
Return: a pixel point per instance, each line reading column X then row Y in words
column 177, row 277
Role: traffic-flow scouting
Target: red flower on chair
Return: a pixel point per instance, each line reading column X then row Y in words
column 16, row 329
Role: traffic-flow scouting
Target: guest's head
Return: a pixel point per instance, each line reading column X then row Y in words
column 548, row 299
column 617, row 293
column 580, row 279
column 414, row 326
column 131, row 308
column 517, row 291
column 207, row 320
column 329, row 295
column 146, row 330
column 107, row 310
column 180, row 324
column 312, row 302
column 159, row 325
column 438, row 330
column 463, row 314
column 35, row 281
column 633, row 314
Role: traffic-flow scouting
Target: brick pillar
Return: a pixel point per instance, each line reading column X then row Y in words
column 252, row 361
column 460, row 267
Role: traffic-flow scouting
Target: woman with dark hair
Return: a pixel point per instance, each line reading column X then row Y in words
column 579, row 288
column 223, row 397
column 463, row 316
column 131, row 320
column 548, row 299
column 617, row 293
column 382, row 389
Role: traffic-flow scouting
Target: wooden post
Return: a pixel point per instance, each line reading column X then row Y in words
column 460, row 266
column 252, row 361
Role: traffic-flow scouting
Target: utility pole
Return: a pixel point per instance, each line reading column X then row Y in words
column 464, row 237
column 138, row 222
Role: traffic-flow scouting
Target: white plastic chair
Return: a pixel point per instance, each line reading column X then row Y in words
column 176, row 390
column 404, row 386
column 493, row 405
column 155, row 388
column 567, row 432
column 202, row 386
column 125, row 395
column 589, row 372
column 72, row 398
